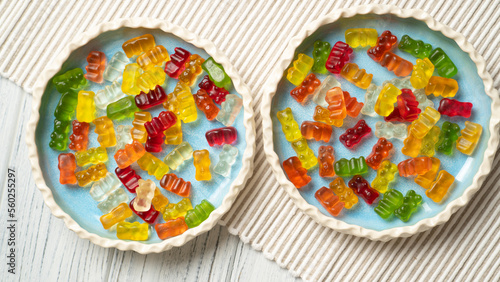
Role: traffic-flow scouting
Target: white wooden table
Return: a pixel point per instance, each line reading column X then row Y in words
column 47, row 251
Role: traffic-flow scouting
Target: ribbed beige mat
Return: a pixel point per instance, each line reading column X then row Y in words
column 253, row 34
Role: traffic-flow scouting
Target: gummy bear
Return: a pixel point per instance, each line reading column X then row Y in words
column 339, row 56
column 305, row 154
column 415, row 166
column 385, row 43
column 200, row 213
column 389, row 130
column 320, row 55
column 153, row 98
column 417, row 48
column 439, row 188
column 443, row 63
column 304, row 91
column 137, row 45
column 391, row 201
column 352, row 73
column 96, row 63
column 176, row 185
column 298, row 71
column 362, row 188
column 353, row 135
column 361, row 37
column 469, row 138
column 128, row 177
column 385, row 175
column 345, row 194
column 153, row 57
column 448, row 136
column 425, row 180
column 452, row 107
column 201, row 161
column 380, row 151
column 67, row 167
column 230, row 109
column 410, row 204
column 177, row 63
column 227, row 158
column 316, row 130
column 344, row 167
column 326, row 158
column 221, row 136
column 216, row 73
column 295, row 172
column 329, row 201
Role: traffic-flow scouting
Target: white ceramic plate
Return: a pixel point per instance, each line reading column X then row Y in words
column 73, row 204
column 472, row 78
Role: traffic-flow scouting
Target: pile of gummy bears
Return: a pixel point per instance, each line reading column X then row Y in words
column 142, row 88
column 399, row 101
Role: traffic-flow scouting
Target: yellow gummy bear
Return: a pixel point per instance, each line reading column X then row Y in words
column 149, row 79
column 201, row 161
column 345, row 194
column 298, row 71
column 421, row 74
column 129, row 81
column 386, row 99
column 153, row 165
column 363, row 37
column 467, row 142
column 85, row 109
column 132, row 231
column 356, row 76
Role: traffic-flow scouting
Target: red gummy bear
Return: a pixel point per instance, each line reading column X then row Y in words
column 221, row 136
column 408, row 105
column 380, row 151
column 452, row 107
column 128, row 177
column 394, row 116
column 159, row 124
column 362, row 188
column 385, row 43
column 153, row 143
column 149, row 216
column 338, row 57
column 352, row 136
column 177, row 62
column 80, row 136
column 303, row 92
column 216, row 93
column 152, row 98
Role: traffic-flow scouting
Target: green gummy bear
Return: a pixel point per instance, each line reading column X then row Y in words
column 123, row 108
column 59, row 137
column 216, row 73
column 66, row 108
column 72, row 80
column 392, row 200
column 320, row 55
column 410, row 204
column 448, row 136
column 344, row 167
column 417, row 48
column 199, row 214
column 442, row 63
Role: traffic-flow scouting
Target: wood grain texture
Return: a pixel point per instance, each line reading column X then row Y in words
column 47, row 251
column 253, row 34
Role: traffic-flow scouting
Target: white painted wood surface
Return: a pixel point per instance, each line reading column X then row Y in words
column 47, row 251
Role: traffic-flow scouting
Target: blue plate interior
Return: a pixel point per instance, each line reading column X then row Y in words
column 76, row 201
column 471, row 89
